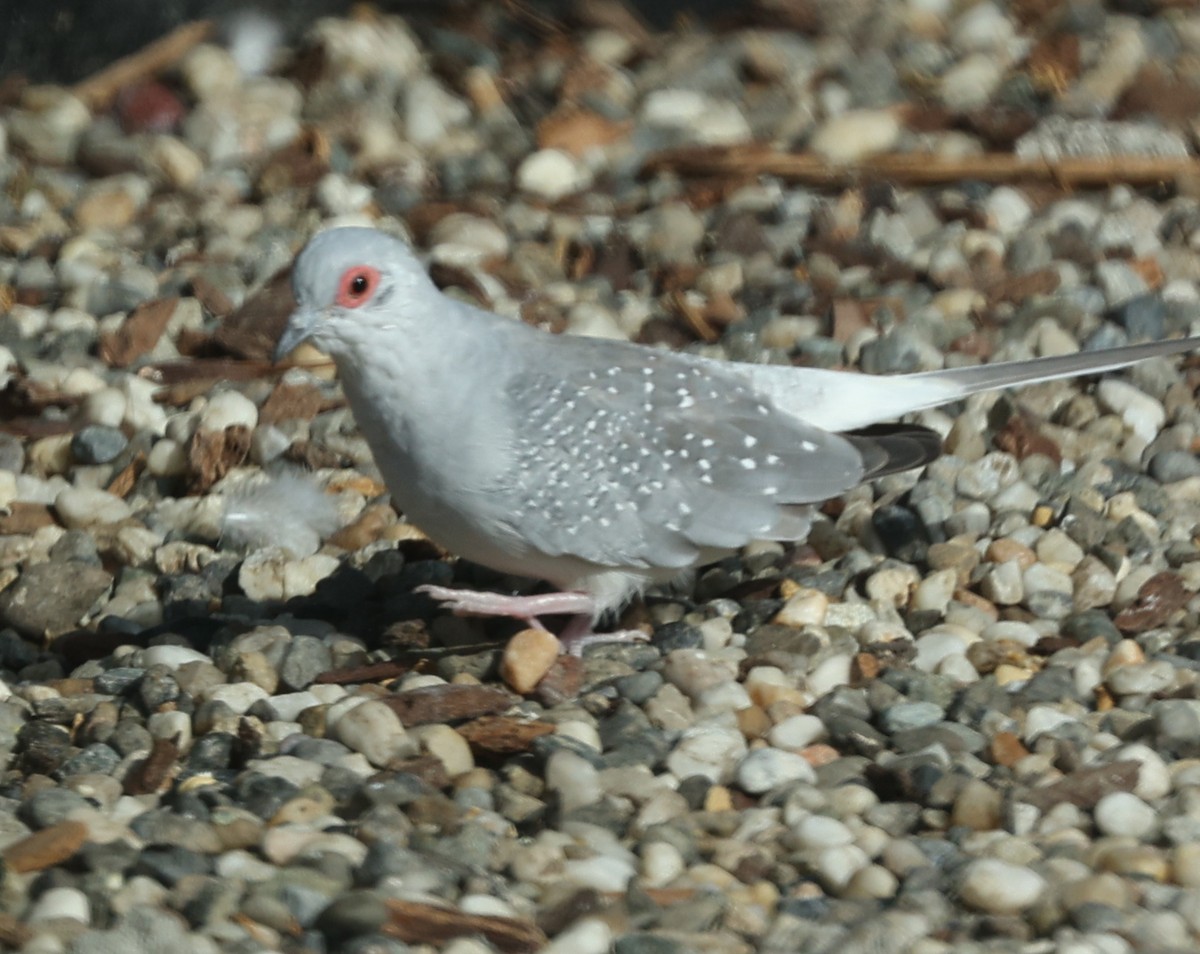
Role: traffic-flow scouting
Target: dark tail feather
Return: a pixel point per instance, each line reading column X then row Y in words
column 892, row 448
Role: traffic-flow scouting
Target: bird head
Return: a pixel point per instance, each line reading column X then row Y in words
column 350, row 285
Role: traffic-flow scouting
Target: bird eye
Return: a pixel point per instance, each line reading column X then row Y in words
column 358, row 284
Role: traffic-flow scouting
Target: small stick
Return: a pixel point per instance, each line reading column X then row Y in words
column 100, row 89
column 919, row 169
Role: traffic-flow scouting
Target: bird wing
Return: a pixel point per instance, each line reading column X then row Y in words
column 655, row 462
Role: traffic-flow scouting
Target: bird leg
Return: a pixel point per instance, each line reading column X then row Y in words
column 525, row 608
column 577, row 634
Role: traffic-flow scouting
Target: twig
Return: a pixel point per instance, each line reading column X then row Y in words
column 100, row 89
column 918, row 169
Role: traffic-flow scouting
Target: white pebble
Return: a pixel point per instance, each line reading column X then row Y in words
column 856, row 134
column 585, row 936
column 998, row 887
column 373, row 729
column 822, row 831
column 796, row 732
column 227, row 409
column 552, row 174
column 60, row 904
column 573, row 778
column 1123, row 813
column 89, row 507
column 1144, row 415
column 239, row 696
column 167, row 458
column 707, row 750
column 829, row 674
column 765, row 769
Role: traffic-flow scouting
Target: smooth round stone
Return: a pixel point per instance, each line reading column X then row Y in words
column 1144, row 415
column 373, row 729
column 105, row 408
column 796, row 732
column 935, row 591
column 239, row 696
column 910, row 715
column 935, row 646
column 446, row 745
column 999, row 887
column 765, row 769
column 586, row 936
column 855, row 134
column 1154, row 777
column 170, row 656
column 1123, row 813
column 573, row 778
column 80, row 507
column 829, row 674
column 709, row 751
column 527, row 658
column 822, row 831
column 61, row 904
column 228, row 409
column 167, row 458
column 1003, row 584
column 552, row 174
column 805, row 607
column 837, row 866
column 97, row 444
column 662, row 863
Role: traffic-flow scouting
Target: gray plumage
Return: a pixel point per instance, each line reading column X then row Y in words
column 602, row 466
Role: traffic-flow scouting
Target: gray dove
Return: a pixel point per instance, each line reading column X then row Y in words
column 599, row 466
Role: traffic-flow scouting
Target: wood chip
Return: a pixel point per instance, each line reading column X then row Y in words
column 123, row 482
column 1021, row 439
column 100, row 89
column 288, row 402
column 377, row 672
column 502, row 735
column 923, row 169
column 24, row 518
column 154, row 772
column 13, row 932
column 213, row 454
column 46, row 848
column 1086, row 786
column 415, row 923
column 1157, row 600
column 446, row 704
column 578, row 130
column 252, row 330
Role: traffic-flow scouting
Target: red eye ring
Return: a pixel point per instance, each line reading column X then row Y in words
column 357, row 285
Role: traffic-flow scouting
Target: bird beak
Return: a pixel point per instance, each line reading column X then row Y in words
column 298, row 328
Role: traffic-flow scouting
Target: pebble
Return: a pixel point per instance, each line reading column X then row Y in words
column 552, row 174
column 228, row 409
column 1000, row 887
column 527, row 658
column 1123, row 813
column 82, row 507
column 374, row 730
column 916, row 730
column 765, row 769
column 856, row 134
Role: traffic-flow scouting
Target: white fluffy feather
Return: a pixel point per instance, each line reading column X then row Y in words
column 287, row 510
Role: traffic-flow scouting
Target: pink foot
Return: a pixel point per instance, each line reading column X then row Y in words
column 574, row 638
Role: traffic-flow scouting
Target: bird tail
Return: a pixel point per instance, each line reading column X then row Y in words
column 988, row 377
column 841, row 401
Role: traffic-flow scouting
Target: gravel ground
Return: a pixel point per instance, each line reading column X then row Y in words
column 964, row 716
